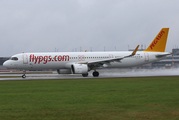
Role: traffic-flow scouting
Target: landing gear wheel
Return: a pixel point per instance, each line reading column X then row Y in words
column 95, row 74
column 85, row 75
column 23, row 76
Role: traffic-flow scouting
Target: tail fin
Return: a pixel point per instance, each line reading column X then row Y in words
column 159, row 43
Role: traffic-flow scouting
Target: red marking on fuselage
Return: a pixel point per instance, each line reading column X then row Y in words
column 45, row 59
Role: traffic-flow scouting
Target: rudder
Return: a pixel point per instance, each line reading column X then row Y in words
column 159, row 43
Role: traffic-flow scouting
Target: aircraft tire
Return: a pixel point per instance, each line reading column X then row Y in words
column 23, row 76
column 85, row 75
column 95, row 74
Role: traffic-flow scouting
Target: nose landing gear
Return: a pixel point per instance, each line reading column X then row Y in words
column 24, row 76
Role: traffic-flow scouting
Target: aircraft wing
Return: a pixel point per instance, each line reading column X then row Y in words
column 98, row 63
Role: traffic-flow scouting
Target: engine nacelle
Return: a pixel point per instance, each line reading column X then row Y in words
column 79, row 68
column 64, row 71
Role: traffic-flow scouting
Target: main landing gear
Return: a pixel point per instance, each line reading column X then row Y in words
column 24, row 76
column 85, row 75
column 95, row 74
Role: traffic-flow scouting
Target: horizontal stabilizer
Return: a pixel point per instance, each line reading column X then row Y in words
column 163, row 55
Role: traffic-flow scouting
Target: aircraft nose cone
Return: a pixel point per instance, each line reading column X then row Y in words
column 6, row 64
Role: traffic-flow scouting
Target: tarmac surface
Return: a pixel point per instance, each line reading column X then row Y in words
column 106, row 73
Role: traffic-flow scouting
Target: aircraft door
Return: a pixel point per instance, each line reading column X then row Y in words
column 81, row 58
column 110, row 56
column 25, row 59
column 146, row 57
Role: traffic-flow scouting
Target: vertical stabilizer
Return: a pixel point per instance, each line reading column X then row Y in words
column 159, row 43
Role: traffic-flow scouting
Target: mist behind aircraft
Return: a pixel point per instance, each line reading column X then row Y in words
column 139, row 72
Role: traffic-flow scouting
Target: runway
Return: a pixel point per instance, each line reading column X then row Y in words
column 106, row 73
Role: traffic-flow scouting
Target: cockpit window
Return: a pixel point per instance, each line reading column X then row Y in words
column 14, row 58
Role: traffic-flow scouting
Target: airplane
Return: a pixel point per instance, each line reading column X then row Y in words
column 83, row 62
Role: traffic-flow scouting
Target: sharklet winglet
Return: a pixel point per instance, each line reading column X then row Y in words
column 134, row 52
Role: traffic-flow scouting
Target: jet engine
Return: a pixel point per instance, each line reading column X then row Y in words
column 79, row 68
column 64, row 71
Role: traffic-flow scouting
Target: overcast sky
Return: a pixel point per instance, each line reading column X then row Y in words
column 43, row 25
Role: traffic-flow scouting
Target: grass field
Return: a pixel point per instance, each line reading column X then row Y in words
column 95, row 99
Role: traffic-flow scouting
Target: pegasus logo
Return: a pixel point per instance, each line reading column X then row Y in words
column 157, row 39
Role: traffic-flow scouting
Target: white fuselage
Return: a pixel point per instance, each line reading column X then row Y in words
column 64, row 60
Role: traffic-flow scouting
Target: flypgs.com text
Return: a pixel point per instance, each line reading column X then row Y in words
column 47, row 58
